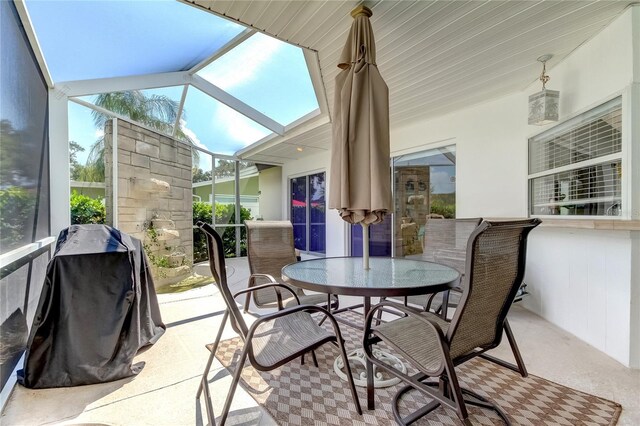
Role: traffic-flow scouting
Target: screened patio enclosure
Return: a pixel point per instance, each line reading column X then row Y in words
column 126, row 90
column 212, row 83
column 234, row 96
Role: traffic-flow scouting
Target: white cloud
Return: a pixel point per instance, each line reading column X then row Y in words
column 238, row 127
column 99, row 133
column 204, row 160
column 255, row 53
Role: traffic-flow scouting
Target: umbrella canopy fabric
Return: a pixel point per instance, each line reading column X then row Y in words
column 360, row 179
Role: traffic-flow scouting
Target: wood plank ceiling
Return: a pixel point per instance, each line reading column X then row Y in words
column 436, row 56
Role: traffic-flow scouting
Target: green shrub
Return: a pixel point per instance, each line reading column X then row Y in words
column 85, row 209
column 446, row 209
column 225, row 214
column 16, row 205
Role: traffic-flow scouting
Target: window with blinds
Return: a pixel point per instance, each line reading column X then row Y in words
column 576, row 167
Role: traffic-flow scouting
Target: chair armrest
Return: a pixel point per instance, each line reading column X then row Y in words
column 276, row 286
column 252, row 278
column 252, row 283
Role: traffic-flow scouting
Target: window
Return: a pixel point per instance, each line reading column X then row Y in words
column 575, row 169
column 308, row 212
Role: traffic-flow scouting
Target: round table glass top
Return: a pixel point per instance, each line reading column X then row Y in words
column 386, row 276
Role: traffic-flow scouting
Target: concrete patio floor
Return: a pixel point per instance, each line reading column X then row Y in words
column 164, row 392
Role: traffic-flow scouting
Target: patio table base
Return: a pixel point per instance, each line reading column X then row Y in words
column 357, row 361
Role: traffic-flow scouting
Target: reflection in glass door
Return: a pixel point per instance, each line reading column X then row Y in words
column 308, row 212
column 424, row 187
column 379, row 238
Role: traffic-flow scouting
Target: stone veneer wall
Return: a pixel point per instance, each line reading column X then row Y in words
column 144, row 155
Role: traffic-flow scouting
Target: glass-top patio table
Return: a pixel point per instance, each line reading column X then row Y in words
column 385, row 277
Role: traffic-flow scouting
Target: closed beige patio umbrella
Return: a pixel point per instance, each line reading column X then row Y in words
column 360, row 180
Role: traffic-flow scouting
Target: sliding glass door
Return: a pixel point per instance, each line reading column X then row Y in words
column 423, row 187
column 308, row 212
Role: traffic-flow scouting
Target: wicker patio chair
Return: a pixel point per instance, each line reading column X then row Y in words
column 496, row 255
column 273, row 339
column 270, row 247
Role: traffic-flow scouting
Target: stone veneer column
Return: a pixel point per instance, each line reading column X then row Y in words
column 144, row 155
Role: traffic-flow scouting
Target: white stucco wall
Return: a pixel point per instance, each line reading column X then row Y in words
column 271, row 194
column 581, row 280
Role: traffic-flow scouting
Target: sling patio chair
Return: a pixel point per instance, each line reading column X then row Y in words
column 496, row 255
column 445, row 243
column 273, row 339
column 270, row 247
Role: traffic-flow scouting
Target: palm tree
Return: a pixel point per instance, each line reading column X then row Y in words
column 158, row 112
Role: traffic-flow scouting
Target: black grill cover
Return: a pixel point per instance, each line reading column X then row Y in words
column 98, row 307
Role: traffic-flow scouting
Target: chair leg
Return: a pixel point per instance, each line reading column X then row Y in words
column 519, row 367
column 347, row 367
column 379, row 317
column 234, row 384
column 456, row 392
column 514, row 348
column 213, row 353
column 204, row 383
column 315, row 360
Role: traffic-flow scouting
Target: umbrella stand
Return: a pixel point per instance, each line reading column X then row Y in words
column 365, row 245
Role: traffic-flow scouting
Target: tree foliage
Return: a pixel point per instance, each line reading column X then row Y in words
column 16, row 159
column 16, row 205
column 200, row 175
column 225, row 214
column 85, row 209
column 158, row 112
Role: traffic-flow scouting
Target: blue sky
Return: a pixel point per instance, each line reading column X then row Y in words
column 267, row 74
column 97, row 39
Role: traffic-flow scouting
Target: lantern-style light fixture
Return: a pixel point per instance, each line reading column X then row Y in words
column 543, row 105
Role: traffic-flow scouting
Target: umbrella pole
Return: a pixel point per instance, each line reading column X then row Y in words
column 365, row 245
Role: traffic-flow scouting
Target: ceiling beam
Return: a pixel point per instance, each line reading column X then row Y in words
column 180, row 109
column 120, row 84
column 23, row 13
column 317, row 79
column 224, row 49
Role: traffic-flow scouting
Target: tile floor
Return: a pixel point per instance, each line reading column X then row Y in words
column 164, row 392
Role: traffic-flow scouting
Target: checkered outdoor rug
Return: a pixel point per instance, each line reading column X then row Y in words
column 297, row 394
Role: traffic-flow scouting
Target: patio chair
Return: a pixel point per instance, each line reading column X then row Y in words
column 273, row 339
column 445, row 242
column 270, row 247
column 496, row 254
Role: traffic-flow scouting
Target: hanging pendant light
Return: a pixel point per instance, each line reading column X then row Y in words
column 543, row 105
